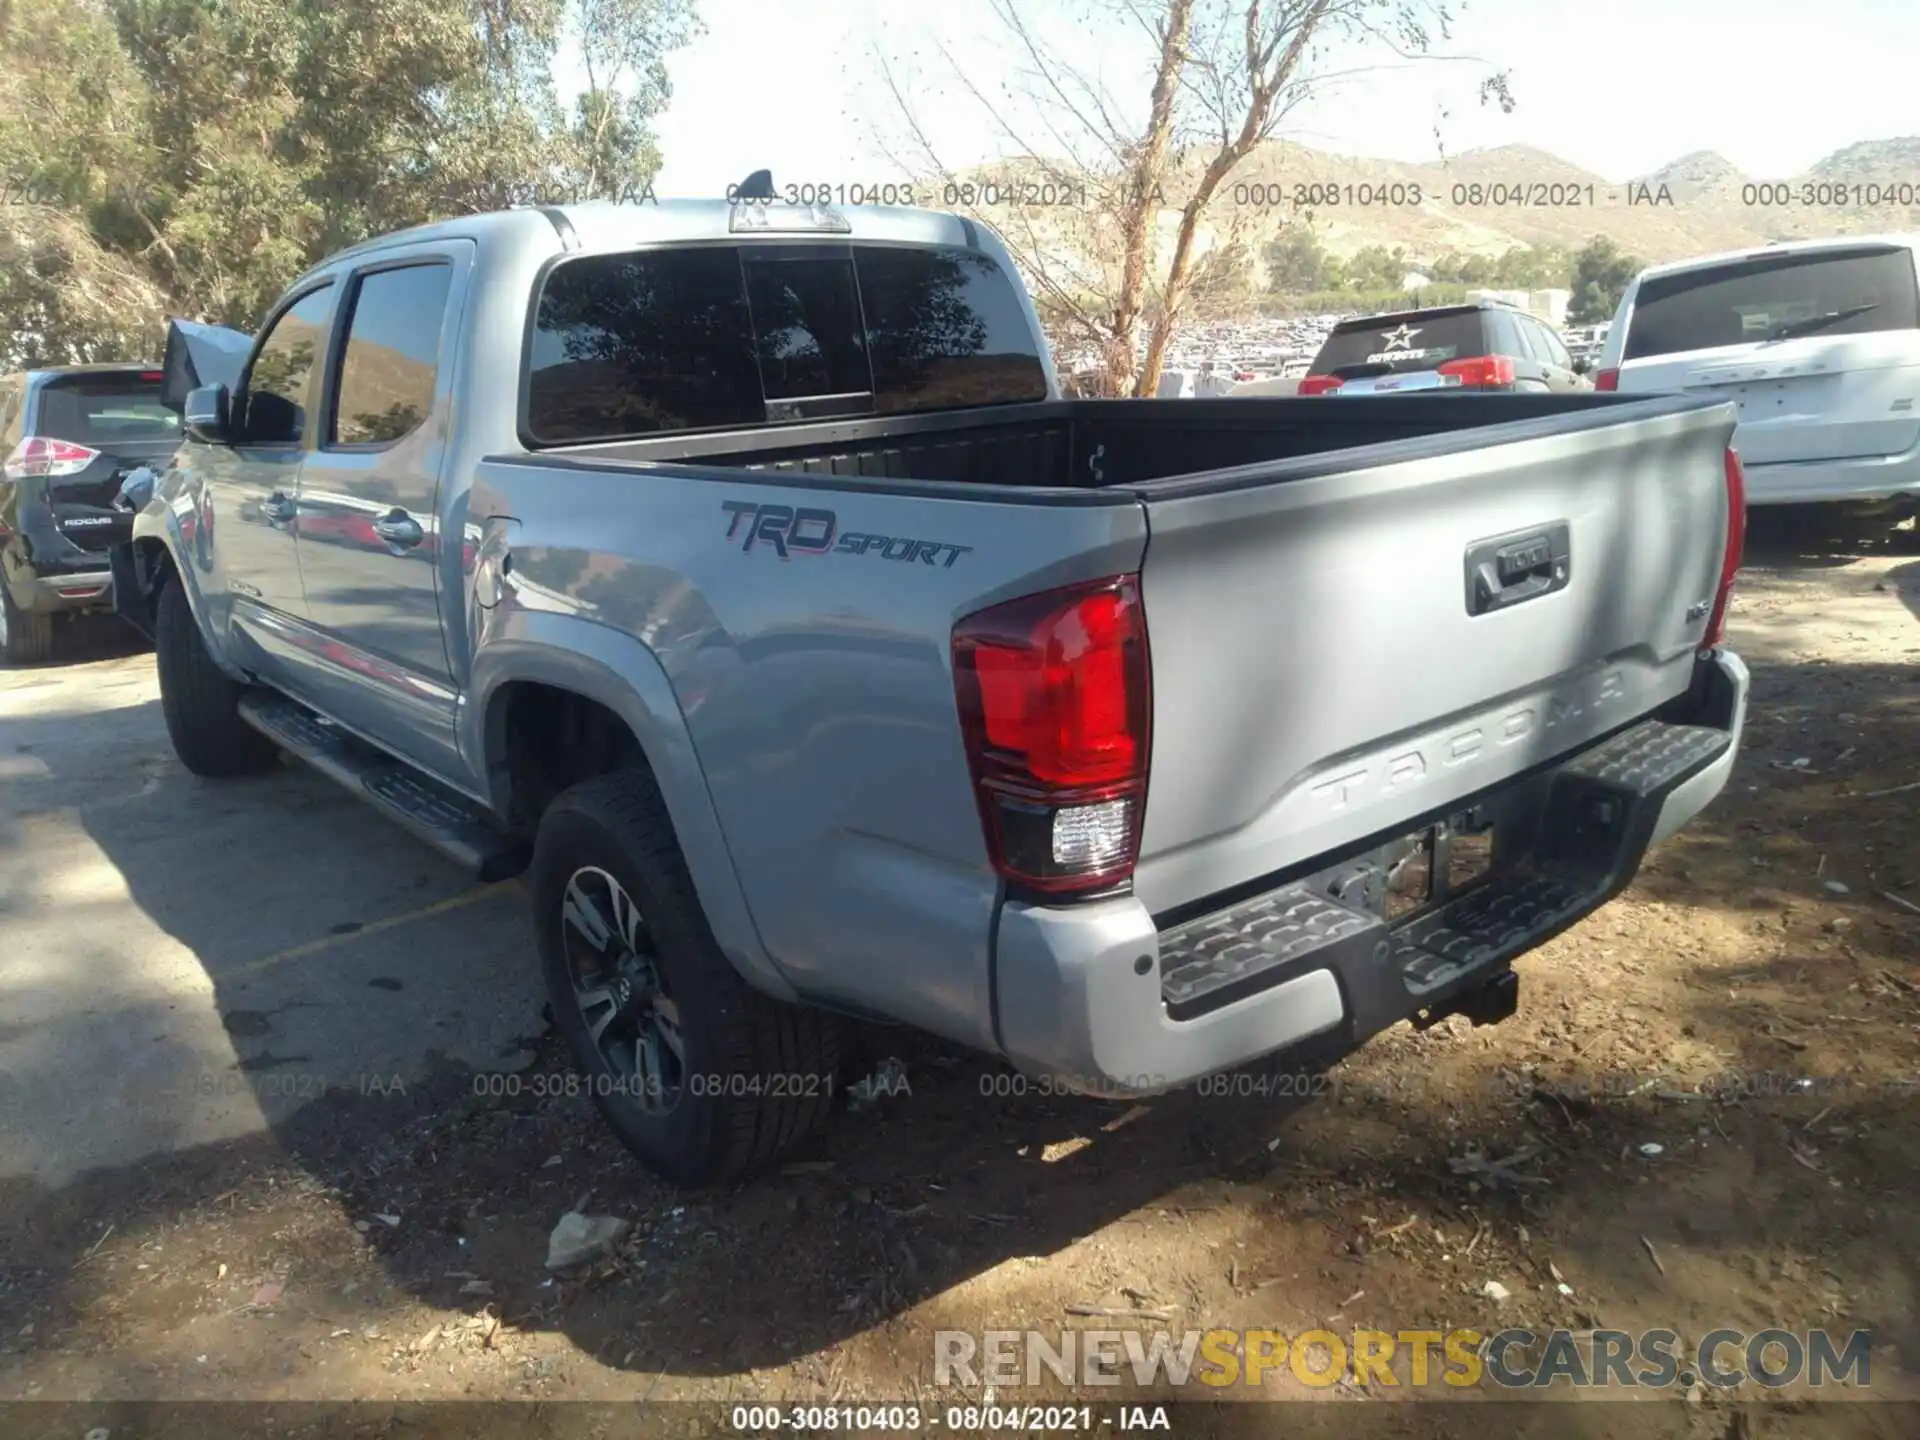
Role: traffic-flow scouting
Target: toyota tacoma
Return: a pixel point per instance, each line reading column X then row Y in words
column 738, row 573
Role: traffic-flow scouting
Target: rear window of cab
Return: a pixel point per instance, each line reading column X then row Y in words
column 653, row 342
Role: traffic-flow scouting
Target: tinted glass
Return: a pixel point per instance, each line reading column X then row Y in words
column 633, row 345
column 628, row 345
column 945, row 328
column 1749, row 301
column 807, row 327
column 392, row 355
column 98, row 411
column 1402, row 343
column 277, row 383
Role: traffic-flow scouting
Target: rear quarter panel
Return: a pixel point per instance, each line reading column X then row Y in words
column 815, row 688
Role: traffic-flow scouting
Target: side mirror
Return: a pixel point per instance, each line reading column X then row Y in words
column 205, row 417
column 1582, row 366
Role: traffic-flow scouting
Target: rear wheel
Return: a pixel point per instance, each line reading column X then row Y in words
column 199, row 700
column 701, row 1076
column 26, row 636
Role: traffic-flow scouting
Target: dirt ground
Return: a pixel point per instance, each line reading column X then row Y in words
column 1751, row 1007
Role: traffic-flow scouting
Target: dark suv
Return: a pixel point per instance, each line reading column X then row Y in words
column 68, row 437
column 1480, row 346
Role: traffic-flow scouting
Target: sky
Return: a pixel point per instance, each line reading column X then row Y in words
column 1618, row 87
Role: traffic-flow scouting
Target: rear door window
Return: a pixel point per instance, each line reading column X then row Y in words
column 1401, row 343
column 715, row 337
column 391, row 360
column 1774, row 297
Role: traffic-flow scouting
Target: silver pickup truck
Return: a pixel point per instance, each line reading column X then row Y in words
column 738, row 574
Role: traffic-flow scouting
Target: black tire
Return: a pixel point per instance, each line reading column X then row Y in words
column 26, row 636
column 200, row 701
column 756, row 1077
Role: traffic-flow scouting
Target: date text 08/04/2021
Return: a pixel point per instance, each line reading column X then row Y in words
column 570, row 1083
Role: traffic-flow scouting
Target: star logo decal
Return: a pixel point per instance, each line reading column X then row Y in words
column 1401, row 339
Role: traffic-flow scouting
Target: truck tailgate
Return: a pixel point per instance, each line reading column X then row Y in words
column 1344, row 644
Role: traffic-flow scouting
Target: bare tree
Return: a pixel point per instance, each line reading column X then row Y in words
column 1114, row 267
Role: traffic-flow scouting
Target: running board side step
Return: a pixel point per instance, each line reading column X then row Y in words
column 1592, row 819
column 452, row 824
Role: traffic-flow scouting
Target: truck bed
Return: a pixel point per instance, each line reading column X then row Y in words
column 1173, row 447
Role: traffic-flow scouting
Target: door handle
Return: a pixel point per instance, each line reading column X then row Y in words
column 279, row 507
column 397, row 527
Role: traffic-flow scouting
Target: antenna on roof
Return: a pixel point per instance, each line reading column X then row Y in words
column 757, row 186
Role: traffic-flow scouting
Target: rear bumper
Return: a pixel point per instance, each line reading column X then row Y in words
column 1875, row 477
column 90, row 588
column 1104, row 1001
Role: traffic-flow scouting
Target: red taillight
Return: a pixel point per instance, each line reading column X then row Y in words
column 37, row 455
column 153, row 374
column 1318, row 384
column 1607, row 380
column 1482, row 370
column 1054, row 699
column 1735, row 552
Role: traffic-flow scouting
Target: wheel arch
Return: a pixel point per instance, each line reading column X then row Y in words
column 154, row 557
column 542, row 659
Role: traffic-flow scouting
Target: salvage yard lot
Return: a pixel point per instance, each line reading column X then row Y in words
column 279, row 1117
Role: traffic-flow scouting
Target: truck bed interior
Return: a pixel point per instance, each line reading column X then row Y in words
column 1103, row 444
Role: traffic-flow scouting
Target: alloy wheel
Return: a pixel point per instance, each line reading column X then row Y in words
column 619, row 991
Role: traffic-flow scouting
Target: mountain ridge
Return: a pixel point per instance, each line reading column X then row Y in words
column 1490, row 200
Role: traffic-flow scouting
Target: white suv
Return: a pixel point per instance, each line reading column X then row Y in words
column 1818, row 341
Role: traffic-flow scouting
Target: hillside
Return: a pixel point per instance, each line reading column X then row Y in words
column 1696, row 203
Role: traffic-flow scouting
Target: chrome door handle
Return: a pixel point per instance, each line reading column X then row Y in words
column 399, row 528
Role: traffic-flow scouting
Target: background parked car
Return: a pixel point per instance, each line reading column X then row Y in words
column 69, row 437
column 1478, row 346
column 1817, row 342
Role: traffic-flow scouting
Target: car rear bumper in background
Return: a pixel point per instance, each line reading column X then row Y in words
column 1089, row 995
column 1810, row 482
column 90, row 588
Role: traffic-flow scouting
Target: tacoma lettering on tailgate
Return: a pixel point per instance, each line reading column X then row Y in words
column 1397, row 770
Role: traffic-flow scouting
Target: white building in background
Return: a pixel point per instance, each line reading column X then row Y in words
column 1550, row 305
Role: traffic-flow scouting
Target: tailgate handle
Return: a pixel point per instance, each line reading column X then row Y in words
column 1508, row 570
